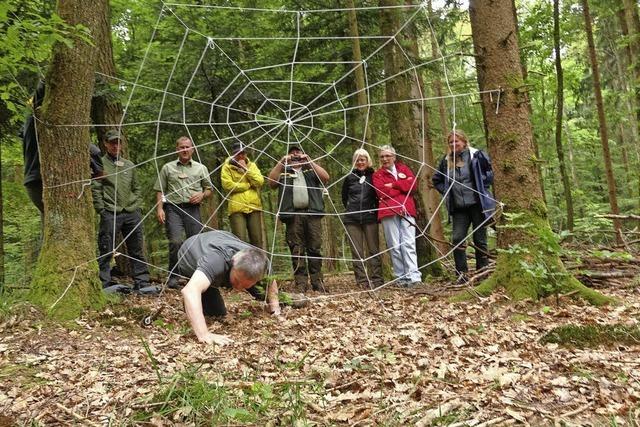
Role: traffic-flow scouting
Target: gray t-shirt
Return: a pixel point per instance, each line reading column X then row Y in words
column 211, row 254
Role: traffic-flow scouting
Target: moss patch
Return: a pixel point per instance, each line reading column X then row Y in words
column 592, row 335
column 531, row 268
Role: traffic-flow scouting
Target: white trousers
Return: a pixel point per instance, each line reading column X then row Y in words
column 401, row 241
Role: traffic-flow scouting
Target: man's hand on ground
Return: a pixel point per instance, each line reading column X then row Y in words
column 272, row 298
column 220, row 340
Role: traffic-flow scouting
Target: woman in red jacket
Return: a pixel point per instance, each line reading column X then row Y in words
column 395, row 184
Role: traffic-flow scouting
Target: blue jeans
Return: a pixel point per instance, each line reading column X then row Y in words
column 401, row 241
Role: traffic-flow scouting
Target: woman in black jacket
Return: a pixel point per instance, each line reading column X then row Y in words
column 361, row 205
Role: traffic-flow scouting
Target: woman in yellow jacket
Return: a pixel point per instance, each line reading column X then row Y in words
column 241, row 181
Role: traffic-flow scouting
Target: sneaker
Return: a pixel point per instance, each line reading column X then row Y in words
column 147, row 289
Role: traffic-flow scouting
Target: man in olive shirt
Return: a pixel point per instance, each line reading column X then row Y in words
column 180, row 188
column 117, row 199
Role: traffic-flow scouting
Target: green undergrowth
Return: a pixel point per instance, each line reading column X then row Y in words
column 593, row 335
column 189, row 397
column 532, row 269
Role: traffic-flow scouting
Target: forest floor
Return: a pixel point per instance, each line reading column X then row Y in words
column 398, row 357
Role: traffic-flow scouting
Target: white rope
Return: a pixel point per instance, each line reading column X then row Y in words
column 305, row 122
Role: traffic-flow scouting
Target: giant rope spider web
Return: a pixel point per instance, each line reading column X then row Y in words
column 291, row 84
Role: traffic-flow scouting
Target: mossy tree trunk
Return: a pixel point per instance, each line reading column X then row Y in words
column 529, row 264
column 404, row 135
column 66, row 278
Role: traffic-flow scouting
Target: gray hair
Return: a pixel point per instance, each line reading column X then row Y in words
column 389, row 149
column 252, row 262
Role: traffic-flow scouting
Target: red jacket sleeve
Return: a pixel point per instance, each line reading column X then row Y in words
column 407, row 185
column 383, row 192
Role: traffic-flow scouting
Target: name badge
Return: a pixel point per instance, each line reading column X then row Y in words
column 362, row 179
column 183, row 176
column 401, row 175
column 119, row 163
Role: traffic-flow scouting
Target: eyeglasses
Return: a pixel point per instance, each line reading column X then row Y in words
column 384, row 156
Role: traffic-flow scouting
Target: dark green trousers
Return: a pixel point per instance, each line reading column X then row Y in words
column 248, row 227
column 304, row 237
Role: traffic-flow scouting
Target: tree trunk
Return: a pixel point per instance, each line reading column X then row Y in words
column 529, row 246
column 361, row 99
column 421, row 121
column 627, row 16
column 566, row 188
column 602, row 122
column 106, row 110
column 1, row 223
column 66, row 277
column 437, row 84
column 401, row 126
column 633, row 31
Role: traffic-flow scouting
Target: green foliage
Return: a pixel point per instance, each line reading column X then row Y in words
column 189, row 397
column 593, row 335
column 30, row 29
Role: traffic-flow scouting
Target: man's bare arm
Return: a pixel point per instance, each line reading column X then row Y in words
column 192, row 295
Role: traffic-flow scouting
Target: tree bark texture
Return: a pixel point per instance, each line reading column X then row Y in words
column 402, row 127
column 437, row 84
column 66, row 272
column 363, row 111
column 602, row 121
column 566, row 188
column 527, row 240
column 106, row 110
column 506, row 110
column 422, row 124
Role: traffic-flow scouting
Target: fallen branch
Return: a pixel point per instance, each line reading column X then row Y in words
column 614, row 216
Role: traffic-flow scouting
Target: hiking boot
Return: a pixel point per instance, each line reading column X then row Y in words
column 319, row 287
column 415, row 284
column 116, row 288
column 146, row 289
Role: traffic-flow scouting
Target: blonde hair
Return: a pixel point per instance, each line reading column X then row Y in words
column 362, row 152
column 459, row 135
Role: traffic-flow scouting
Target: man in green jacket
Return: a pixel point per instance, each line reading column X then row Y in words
column 117, row 199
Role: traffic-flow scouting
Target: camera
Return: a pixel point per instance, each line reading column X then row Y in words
column 295, row 158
